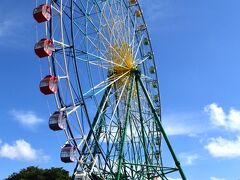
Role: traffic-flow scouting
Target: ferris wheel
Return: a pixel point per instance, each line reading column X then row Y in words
column 102, row 74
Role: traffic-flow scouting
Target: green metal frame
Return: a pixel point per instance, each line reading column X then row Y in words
column 142, row 127
column 118, row 175
column 177, row 163
column 96, row 120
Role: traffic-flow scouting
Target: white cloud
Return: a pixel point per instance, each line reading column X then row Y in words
column 179, row 129
column 220, row 147
column 183, row 124
column 21, row 150
column 219, row 118
column 214, row 178
column 188, row 159
column 217, row 115
column 26, row 118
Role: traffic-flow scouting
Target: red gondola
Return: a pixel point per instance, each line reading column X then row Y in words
column 44, row 48
column 68, row 153
column 57, row 121
column 49, row 85
column 42, row 13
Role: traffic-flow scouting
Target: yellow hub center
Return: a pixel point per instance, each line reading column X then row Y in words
column 122, row 58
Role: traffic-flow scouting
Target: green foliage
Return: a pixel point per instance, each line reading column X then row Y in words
column 35, row 173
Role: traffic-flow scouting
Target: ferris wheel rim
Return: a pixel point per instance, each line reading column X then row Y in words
column 58, row 94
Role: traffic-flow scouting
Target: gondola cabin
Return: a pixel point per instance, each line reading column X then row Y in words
column 57, row 121
column 156, row 98
column 154, row 84
column 158, row 154
column 142, row 27
column 138, row 13
column 42, row 13
column 152, row 70
column 44, row 48
column 158, row 128
column 83, row 176
column 146, row 41
column 158, row 141
column 132, row 1
column 68, row 153
column 49, row 85
column 150, row 55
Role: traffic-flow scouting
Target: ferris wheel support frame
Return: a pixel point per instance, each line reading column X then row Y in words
column 142, row 126
column 138, row 82
column 125, row 129
column 95, row 121
column 177, row 163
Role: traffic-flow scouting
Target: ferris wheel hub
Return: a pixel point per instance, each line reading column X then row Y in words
column 122, row 58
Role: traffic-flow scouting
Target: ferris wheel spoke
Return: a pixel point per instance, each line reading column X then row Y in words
column 124, row 16
column 116, row 106
column 104, row 66
column 142, row 61
column 134, row 32
column 110, row 29
column 96, row 28
column 111, row 32
column 104, row 59
column 146, row 78
column 103, row 85
column 105, row 39
column 138, row 47
column 118, row 23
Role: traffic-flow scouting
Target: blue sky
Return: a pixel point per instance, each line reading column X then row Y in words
column 196, row 44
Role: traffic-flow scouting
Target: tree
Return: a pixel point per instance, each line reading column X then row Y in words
column 36, row 173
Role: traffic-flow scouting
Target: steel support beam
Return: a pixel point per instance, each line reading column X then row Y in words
column 120, row 162
column 177, row 163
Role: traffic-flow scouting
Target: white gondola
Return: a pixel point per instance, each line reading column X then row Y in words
column 68, row 153
column 82, row 176
column 57, row 121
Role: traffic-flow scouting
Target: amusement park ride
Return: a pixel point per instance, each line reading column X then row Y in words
column 102, row 74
